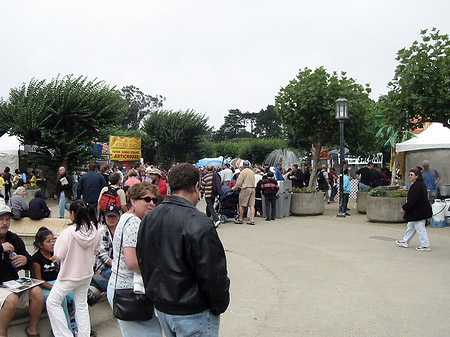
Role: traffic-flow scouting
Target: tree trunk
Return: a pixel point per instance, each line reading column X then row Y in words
column 394, row 166
column 315, row 160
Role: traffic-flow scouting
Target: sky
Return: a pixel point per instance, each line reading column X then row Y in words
column 210, row 56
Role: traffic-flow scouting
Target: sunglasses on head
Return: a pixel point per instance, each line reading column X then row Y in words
column 148, row 199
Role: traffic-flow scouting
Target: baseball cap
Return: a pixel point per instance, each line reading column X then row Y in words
column 5, row 209
column 112, row 209
column 246, row 163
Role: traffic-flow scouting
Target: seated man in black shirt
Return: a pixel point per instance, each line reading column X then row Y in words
column 15, row 256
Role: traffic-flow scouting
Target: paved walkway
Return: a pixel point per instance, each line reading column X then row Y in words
column 325, row 276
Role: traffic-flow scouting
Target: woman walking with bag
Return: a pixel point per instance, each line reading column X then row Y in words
column 76, row 248
column 416, row 210
column 125, row 266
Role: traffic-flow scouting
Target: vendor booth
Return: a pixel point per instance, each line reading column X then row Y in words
column 9, row 152
column 432, row 144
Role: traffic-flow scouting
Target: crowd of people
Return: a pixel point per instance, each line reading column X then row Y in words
column 112, row 243
column 143, row 227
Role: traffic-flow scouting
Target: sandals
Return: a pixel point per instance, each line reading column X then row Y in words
column 250, row 223
column 239, row 222
column 27, row 331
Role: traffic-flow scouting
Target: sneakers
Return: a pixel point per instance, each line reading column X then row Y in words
column 402, row 243
column 423, row 249
column 217, row 223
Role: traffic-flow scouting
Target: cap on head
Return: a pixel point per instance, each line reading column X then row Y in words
column 112, row 209
column 4, row 209
column 246, row 163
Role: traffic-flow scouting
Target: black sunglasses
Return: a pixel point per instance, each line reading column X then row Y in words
column 148, row 199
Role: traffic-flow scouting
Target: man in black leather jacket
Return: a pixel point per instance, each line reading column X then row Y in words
column 182, row 260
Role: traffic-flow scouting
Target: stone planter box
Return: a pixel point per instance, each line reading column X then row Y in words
column 29, row 194
column 361, row 201
column 382, row 209
column 307, row 203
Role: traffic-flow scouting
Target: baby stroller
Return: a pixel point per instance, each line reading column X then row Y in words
column 228, row 204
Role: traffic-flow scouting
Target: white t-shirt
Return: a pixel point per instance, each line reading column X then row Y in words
column 130, row 232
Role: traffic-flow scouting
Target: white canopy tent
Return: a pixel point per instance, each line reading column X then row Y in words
column 9, row 152
column 436, row 136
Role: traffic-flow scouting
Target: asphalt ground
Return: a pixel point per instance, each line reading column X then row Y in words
column 323, row 276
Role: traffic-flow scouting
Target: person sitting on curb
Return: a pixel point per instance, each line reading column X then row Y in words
column 14, row 257
column 18, row 205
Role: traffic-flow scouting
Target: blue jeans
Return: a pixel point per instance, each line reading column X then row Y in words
column 203, row 324
column 150, row 328
column 101, row 282
column 62, row 204
column 334, row 190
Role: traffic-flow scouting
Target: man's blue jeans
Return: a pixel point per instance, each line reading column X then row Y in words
column 203, row 324
column 62, row 204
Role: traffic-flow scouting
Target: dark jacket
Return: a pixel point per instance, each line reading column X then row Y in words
column 7, row 271
column 182, row 260
column 38, row 207
column 269, row 187
column 66, row 188
column 90, row 186
column 417, row 206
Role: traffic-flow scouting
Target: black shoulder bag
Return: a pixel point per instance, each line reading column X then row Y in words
column 127, row 305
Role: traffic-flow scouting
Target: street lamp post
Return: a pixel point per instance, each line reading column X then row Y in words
column 341, row 116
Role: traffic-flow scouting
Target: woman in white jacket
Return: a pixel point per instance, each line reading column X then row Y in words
column 75, row 247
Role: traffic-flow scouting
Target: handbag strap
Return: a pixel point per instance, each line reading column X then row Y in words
column 120, row 252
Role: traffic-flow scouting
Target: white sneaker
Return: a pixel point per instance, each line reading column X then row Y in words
column 217, row 223
column 402, row 243
column 423, row 249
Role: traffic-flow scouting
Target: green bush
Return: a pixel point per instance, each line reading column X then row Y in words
column 388, row 194
column 303, row 190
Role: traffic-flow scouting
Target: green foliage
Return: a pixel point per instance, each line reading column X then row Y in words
column 177, row 135
column 303, row 190
column 378, row 192
column 422, row 78
column 139, row 106
column 268, row 123
column 254, row 150
column 61, row 118
column 233, row 127
column 307, row 106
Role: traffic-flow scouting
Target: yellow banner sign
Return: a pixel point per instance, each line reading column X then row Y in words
column 125, row 154
column 116, row 142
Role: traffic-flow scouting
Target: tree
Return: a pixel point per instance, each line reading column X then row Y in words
column 61, row 118
column 139, row 106
column 177, row 135
column 307, row 106
column 268, row 123
column 233, row 127
column 422, row 80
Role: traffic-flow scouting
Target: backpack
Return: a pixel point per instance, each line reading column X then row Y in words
column 321, row 179
column 110, row 197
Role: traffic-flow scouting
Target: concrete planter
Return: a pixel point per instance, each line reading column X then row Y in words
column 29, row 194
column 382, row 209
column 307, row 203
column 361, row 201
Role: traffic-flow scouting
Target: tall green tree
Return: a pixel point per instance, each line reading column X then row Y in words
column 177, row 135
column 62, row 117
column 233, row 127
column 422, row 80
column 268, row 123
column 307, row 105
column 139, row 106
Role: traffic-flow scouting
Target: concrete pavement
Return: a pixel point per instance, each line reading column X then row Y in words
column 324, row 276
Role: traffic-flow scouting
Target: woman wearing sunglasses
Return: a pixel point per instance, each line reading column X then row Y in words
column 416, row 210
column 142, row 199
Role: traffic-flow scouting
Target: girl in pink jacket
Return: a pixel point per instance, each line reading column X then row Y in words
column 76, row 248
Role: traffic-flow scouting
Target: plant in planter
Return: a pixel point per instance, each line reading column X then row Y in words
column 385, row 206
column 305, row 201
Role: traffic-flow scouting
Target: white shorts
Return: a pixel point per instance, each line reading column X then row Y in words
column 24, row 298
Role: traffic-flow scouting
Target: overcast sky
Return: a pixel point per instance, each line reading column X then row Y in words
column 210, row 56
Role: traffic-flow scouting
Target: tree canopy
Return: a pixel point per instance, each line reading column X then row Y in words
column 139, row 106
column 307, row 106
column 177, row 135
column 62, row 117
column 420, row 88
